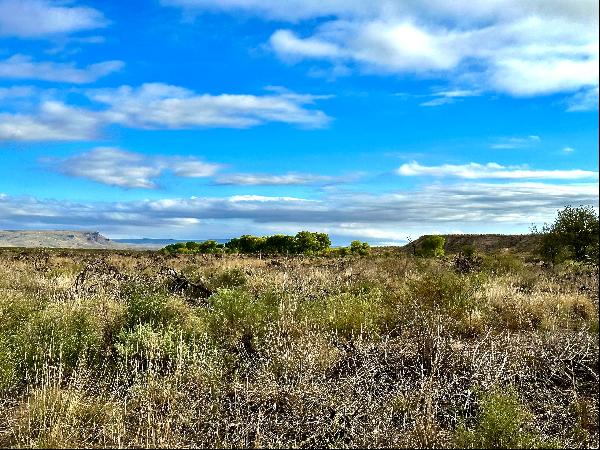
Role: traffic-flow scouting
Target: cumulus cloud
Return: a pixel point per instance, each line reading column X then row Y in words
column 384, row 216
column 521, row 48
column 116, row 167
column 160, row 106
column 54, row 121
column 492, row 170
column 24, row 68
column 254, row 179
column 42, row 18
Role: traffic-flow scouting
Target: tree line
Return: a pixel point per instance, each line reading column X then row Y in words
column 303, row 243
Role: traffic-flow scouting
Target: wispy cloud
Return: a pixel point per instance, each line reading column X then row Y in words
column 22, row 67
column 451, row 96
column 160, row 106
column 516, row 142
column 585, row 100
column 492, row 170
column 42, row 18
column 253, row 179
column 384, row 216
column 116, row 167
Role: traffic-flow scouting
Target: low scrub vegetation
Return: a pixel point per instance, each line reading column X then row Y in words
column 184, row 348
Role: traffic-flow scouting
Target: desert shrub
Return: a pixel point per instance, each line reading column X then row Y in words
column 54, row 417
column 60, row 334
column 348, row 314
column 152, row 348
column 228, row 278
column 502, row 263
column 468, row 250
column 502, row 422
column 444, row 291
column 235, row 313
column 431, row 246
column 360, row 248
column 573, row 234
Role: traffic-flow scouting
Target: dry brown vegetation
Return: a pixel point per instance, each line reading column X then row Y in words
column 138, row 349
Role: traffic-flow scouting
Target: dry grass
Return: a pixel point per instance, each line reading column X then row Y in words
column 98, row 350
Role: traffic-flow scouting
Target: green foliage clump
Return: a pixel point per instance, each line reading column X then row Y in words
column 348, row 313
column 360, row 248
column 572, row 235
column 311, row 243
column 503, row 422
column 247, row 244
column 503, row 263
column 445, row 291
column 205, row 247
column 235, row 313
column 304, row 242
column 431, row 247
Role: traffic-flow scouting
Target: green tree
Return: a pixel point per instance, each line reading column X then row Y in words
column 431, row 246
column 309, row 243
column 280, row 243
column 247, row 244
column 572, row 235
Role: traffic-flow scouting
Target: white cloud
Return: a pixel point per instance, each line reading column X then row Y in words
column 157, row 105
column 521, row 48
column 492, row 170
column 471, row 207
column 568, row 150
column 253, row 179
column 15, row 92
column 516, row 142
column 585, row 100
column 450, row 96
column 160, row 106
column 54, row 121
column 41, row 18
column 22, row 67
column 116, row 167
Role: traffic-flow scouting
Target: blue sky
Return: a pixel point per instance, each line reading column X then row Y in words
column 374, row 120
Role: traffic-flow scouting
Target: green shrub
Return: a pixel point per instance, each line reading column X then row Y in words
column 60, row 334
column 235, row 313
column 573, row 234
column 360, row 248
column 229, row 278
column 431, row 246
column 444, row 291
column 468, row 250
column 502, row 263
column 348, row 314
column 502, row 422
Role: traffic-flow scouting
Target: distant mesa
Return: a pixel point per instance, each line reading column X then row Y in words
column 484, row 242
column 57, row 239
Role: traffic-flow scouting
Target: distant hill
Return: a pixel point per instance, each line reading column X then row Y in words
column 57, row 239
column 525, row 243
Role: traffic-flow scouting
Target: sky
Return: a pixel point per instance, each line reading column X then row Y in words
column 380, row 120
